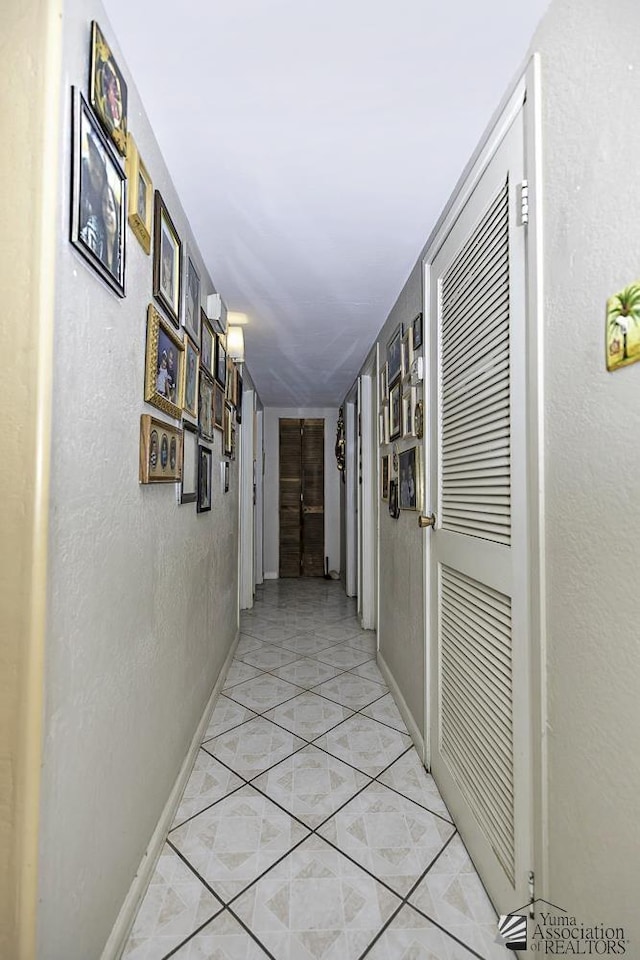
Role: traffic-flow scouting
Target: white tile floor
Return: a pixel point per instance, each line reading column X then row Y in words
column 309, row 829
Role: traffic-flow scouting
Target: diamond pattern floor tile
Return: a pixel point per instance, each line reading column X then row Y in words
column 222, row 939
column 409, row 777
column 245, row 644
column 311, row 784
column 351, row 691
column 270, row 631
column 269, row 657
column 342, row 656
column 308, row 715
column 209, row 782
column 176, row 903
column 254, row 747
column 233, row 842
column 263, row 692
column 226, row 714
column 307, row 672
column 308, row 644
column 393, row 838
column 342, row 630
column 365, row 744
column 369, row 670
column 316, row 905
column 385, row 711
column 239, row 672
column 411, row 936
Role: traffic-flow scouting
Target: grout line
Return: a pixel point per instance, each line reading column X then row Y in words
column 250, row 932
column 192, row 935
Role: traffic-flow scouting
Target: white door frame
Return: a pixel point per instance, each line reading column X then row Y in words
column 351, row 483
column 246, row 507
column 367, row 515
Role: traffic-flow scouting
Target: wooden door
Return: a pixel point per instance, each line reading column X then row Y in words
column 301, row 497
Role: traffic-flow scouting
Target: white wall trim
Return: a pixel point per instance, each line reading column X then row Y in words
column 246, row 507
column 367, row 513
column 351, row 562
column 271, row 575
column 413, row 728
column 125, row 920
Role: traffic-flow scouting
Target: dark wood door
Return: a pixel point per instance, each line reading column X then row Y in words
column 301, row 498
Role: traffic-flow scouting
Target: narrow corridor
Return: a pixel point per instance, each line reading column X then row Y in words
column 309, row 828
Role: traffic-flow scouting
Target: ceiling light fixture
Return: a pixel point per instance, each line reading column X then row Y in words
column 235, row 343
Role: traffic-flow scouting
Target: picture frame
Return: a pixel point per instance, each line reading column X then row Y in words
column 410, row 479
column 205, row 463
column 394, row 356
column 394, row 509
column 385, row 414
column 225, row 476
column 231, row 392
column 167, row 261
column 218, row 407
column 408, row 412
column 164, row 366
column 99, row 198
column 384, row 478
column 140, row 191
column 221, row 364
column 228, row 429
column 205, row 407
column 238, row 395
column 395, row 412
column 191, row 309
column 407, row 353
column 416, row 327
column 191, row 376
column 160, row 451
column 384, row 384
column 189, row 481
column 108, row 90
column 380, row 428
column 207, row 345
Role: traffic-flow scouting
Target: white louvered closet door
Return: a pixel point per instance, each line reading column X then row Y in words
column 479, row 644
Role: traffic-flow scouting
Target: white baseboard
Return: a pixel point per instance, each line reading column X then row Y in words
column 269, row 575
column 122, row 927
column 414, row 730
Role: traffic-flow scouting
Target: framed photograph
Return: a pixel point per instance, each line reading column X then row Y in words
column 231, row 381
column 407, row 354
column 205, row 407
column 99, row 192
column 394, row 509
column 410, row 479
column 228, row 430
column 221, row 364
column 107, row 90
column 385, row 415
column 140, row 189
column 218, row 407
column 238, row 396
column 380, row 428
column 225, row 476
column 191, row 376
column 167, row 260
column 207, row 345
column 205, row 461
column 191, row 308
column 384, row 384
column 160, row 451
column 189, row 486
column 416, row 327
column 408, row 412
column 395, row 411
column 384, row 477
column 164, row 367
column 394, row 356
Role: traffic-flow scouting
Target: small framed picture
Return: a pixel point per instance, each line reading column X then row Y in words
column 395, row 411
column 385, row 415
column 380, row 428
column 189, row 486
column 205, row 461
column 99, row 205
column 167, row 261
column 107, row 90
column 191, row 308
column 207, row 345
column 221, row 365
column 408, row 412
column 225, row 476
column 160, row 451
column 140, row 188
column 394, row 355
column 394, row 509
column 164, row 367
column 384, row 383
column 238, row 396
column 410, row 479
column 384, row 477
column 205, row 407
column 191, row 376
column 407, row 354
column 416, row 327
column 230, row 391
column 218, row 407
column 228, row 429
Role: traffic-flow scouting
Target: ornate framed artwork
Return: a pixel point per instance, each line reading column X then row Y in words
column 164, row 367
column 191, row 307
column 221, row 364
column 189, row 485
column 207, row 345
column 191, row 376
column 160, row 451
column 410, row 479
column 99, row 204
column 107, row 90
column 205, row 462
column 395, row 412
column 218, row 407
column 167, row 261
column 140, row 189
column 205, row 407
column 394, row 356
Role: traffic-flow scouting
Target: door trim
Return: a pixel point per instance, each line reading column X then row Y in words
column 367, row 518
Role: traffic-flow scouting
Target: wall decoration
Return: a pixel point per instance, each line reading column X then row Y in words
column 99, row 205
column 189, row 486
column 207, row 345
column 164, row 367
column 340, row 447
column 395, row 422
column 394, row 509
column 231, row 391
column 410, row 479
column 394, row 355
column 384, row 477
column 385, row 414
column 205, row 407
column 107, row 89
column 225, row 476
column 140, row 189
column 191, row 292
column 167, row 261
column 623, row 327
column 408, row 412
column 228, row 429
column 418, row 420
column 160, row 451
column 407, row 354
column 191, row 376
column 205, row 462
column 380, row 428
column 384, row 384
column 221, row 364
column 416, row 326
column 218, row 407
column 238, row 396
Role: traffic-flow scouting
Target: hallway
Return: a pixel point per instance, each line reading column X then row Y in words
column 309, row 828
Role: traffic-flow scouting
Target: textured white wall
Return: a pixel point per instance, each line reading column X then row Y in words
column 272, row 484
column 143, row 592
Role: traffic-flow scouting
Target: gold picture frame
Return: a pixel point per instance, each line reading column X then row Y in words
column 108, row 90
column 160, row 451
column 164, row 366
column 191, row 376
column 140, row 212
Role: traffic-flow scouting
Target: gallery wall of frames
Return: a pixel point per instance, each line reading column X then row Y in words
column 187, row 374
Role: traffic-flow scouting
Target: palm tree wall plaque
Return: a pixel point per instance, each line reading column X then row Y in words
column 623, row 314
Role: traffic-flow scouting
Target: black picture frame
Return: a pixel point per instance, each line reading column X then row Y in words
column 238, row 397
column 416, row 327
column 108, row 90
column 167, row 261
column 189, row 483
column 205, row 463
column 394, row 508
column 394, row 356
column 221, row 364
column 98, row 198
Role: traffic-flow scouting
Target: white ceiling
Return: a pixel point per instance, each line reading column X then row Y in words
column 314, row 144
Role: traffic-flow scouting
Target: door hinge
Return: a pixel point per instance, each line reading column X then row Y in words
column 523, row 203
column 532, row 893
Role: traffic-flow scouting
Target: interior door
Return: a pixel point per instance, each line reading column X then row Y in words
column 480, row 714
column 301, row 497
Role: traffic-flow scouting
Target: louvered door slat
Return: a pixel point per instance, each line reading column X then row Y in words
column 290, row 494
column 313, row 497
